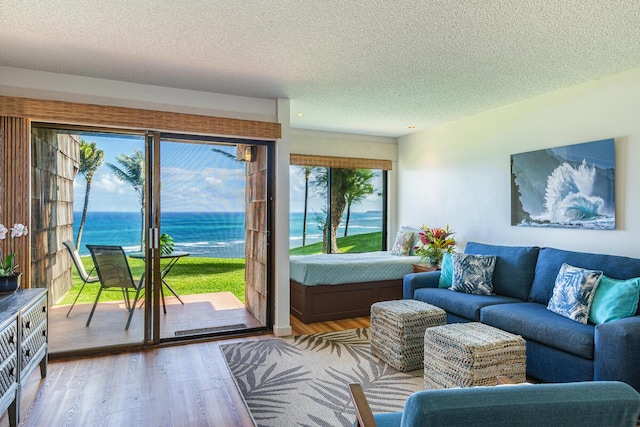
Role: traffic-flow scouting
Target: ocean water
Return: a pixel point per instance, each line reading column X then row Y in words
column 202, row 234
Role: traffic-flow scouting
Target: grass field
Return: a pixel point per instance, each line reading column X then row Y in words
column 368, row 242
column 193, row 275
column 189, row 276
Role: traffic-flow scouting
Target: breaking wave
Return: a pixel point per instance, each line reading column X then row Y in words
column 568, row 196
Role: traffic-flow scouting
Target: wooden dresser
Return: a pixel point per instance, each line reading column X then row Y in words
column 23, row 344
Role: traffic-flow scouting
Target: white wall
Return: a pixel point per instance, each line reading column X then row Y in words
column 320, row 143
column 459, row 173
column 65, row 87
column 281, row 323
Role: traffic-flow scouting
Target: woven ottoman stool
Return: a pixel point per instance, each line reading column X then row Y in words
column 397, row 331
column 471, row 354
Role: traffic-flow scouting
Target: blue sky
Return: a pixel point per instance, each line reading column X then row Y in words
column 194, row 179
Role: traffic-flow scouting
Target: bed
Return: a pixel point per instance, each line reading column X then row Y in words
column 341, row 286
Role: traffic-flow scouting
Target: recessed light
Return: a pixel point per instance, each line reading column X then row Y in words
column 412, row 127
column 300, row 114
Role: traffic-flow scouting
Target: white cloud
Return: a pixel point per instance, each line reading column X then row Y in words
column 213, row 182
column 110, row 184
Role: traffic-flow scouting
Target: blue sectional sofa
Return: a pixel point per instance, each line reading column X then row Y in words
column 558, row 349
column 583, row 404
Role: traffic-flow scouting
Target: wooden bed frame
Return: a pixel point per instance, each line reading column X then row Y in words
column 319, row 303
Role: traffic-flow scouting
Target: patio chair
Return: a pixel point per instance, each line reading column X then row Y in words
column 114, row 272
column 86, row 277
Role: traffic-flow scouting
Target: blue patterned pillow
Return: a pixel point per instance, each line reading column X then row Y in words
column 473, row 274
column 573, row 292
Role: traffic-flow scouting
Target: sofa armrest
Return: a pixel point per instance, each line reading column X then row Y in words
column 414, row 281
column 364, row 416
column 617, row 346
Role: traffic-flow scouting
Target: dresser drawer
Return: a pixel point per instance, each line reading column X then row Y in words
column 33, row 317
column 8, row 370
column 9, row 340
column 33, row 344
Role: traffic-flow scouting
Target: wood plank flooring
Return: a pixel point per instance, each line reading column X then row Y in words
column 185, row 385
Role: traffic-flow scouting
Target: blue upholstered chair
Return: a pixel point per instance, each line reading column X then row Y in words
column 580, row 404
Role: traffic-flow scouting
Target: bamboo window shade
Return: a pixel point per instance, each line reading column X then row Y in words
column 338, row 162
column 15, row 197
column 134, row 118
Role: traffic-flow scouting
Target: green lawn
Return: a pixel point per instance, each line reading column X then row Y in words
column 193, row 275
column 189, row 276
column 368, row 242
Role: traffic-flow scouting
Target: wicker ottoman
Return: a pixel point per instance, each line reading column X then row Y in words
column 471, row 354
column 397, row 331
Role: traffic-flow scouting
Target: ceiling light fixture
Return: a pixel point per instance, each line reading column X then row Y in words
column 300, row 114
column 412, row 127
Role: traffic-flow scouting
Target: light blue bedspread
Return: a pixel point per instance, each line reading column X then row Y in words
column 336, row 269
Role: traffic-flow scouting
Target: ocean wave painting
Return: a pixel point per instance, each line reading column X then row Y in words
column 569, row 187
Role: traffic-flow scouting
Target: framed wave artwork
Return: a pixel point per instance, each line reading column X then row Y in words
column 571, row 187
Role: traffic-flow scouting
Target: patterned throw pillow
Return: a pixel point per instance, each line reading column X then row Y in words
column 473, row 274
column 573, row 292
column 416, row 236
column 403, row 244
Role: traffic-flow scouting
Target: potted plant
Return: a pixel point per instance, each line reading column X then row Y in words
column 9, row 277
column 435, row 242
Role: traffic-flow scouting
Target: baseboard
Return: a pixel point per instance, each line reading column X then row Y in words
column 282, row 331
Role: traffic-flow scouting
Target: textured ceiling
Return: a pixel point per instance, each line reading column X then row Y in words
column 369, row 66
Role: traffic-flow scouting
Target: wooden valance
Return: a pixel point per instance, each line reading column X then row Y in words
column 339, row 162
column 133, row 118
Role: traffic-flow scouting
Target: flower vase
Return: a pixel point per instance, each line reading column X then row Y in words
column 9, row 284
column 435, row 260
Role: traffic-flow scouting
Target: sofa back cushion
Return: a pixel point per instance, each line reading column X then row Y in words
column 581, row 404
column 550, row 260
column 514, row 269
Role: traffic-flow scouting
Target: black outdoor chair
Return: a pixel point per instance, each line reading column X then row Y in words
column 86, row 277
column 114, row 272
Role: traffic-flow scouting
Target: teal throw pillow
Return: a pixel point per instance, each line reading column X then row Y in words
column 473, row 274
column 614, row 299
column 573, row 292
column 446, row 272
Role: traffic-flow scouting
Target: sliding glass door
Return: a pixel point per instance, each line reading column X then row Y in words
column 190, row 214
column 206, row 196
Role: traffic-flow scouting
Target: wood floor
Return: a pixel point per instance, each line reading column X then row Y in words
column 185, row 385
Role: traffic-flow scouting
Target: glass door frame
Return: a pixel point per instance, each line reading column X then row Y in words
column 152, row 225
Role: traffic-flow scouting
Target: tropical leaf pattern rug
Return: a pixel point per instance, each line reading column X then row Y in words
column 303, row 380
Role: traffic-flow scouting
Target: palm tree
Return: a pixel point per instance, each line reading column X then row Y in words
column 306, row 171
column 91, row 158
column 132, row 172
column 354, row 182
column 360, row 187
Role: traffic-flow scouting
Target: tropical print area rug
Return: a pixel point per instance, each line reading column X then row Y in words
column 303, row 380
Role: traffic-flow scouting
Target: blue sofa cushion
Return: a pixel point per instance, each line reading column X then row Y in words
column 534, row 322
column 550, row 260
column 514, row 270
column 584, row 404
column 458, row 303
